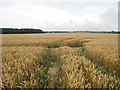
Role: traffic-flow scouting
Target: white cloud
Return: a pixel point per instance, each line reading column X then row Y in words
column 57, row 15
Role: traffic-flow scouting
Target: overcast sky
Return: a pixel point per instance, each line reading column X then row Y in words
column 60, row 14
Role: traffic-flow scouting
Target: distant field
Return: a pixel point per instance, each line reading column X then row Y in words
column 81, row 60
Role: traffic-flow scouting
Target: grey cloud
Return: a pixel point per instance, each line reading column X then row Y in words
column 110, row 17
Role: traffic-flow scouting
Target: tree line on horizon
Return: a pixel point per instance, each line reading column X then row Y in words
column 31, row 30
column 114, row 32
column 20, row 31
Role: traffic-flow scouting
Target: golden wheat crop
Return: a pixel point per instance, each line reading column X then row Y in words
column 32, row 39
column 105, row 53
column 44, row 39
column 81, row 73
column 19, row 65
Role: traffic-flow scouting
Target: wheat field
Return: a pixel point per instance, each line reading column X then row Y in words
column 87, row 60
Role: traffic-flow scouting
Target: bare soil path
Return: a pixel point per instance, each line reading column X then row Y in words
column 52, row 73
